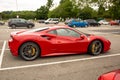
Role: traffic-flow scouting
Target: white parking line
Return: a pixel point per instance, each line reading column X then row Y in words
column 2, row 52
column 5, row 49
column 59, row 62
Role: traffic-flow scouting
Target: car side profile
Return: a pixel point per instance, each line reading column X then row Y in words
column 52, row 21
column 92, row 22
column 74, row 23
column 54, row 41
column 19, row 22
column 113, row 22
column 103, row 22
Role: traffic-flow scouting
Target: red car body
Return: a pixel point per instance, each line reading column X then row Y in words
column 113, row 75
column 57, row 44
column 114, row 23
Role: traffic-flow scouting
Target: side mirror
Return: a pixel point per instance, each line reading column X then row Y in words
column 82, row 36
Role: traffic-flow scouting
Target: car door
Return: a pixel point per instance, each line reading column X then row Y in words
column 69, row 41
column 22, row 23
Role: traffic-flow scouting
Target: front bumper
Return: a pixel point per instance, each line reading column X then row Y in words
column 107, row 45
column 13, row 46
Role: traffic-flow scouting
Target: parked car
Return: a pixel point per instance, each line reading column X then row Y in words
column 52, row 21
column 92, row 22
column 103, row 22
column 112, row 22
column 113, row 75
column 19, row 22
column 74, row 23
column 54, row 41
column 2, row 22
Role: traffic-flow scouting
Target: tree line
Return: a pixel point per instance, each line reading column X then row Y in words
column 83, row 9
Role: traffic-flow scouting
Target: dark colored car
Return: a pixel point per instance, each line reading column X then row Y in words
column 92, row 22
column 19, row 22
column 54, row 41
column 113, row 75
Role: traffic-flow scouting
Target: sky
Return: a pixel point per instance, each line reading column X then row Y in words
column 19, row 5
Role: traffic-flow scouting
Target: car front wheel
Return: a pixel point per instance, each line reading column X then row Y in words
column 29, row 51
column 95, row 47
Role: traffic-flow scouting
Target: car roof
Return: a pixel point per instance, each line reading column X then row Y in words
column 15, row 18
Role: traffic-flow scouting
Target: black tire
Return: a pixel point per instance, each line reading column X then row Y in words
column 29, row 51
column 56, row 23
column 13, row 26
column 46, row 22
column 30, row 26
column 95, row 48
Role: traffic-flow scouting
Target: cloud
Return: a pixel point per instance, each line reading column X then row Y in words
column 8, row 5
column 19, row 5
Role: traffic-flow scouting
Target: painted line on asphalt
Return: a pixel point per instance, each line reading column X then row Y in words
column 5, row 49
column 59, row 62
column 2, row 53
column 2, row 40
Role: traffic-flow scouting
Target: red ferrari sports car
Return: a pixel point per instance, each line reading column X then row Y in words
column 113, row 75
column 52, row 41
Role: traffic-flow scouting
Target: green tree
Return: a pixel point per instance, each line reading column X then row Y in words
column 86, row 13
column 101, row 11
column 64, row 10
column 42, row 12
column 115, row 9
column 49, row 4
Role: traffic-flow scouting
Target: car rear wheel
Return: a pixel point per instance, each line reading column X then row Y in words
column 13, row 26
column 30, row 26
column 95, row 47
column 29, row 51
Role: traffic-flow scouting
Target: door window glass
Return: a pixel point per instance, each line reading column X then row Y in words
column 67, row 32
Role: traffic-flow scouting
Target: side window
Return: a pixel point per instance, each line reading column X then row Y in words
column 73, row 33
column 22, row 20
column 67, row 32
column 53, row 32
column 62, row 32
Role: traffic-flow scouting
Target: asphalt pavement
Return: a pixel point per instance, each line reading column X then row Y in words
column 70, row 67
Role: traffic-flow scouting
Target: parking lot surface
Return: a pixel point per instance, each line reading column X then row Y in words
column 70, row 67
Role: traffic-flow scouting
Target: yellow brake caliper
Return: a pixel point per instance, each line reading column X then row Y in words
column 33, row 51
column 93, row 48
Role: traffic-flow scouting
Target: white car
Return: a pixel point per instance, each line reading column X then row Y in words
column 52, row 21
column 104, row 22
